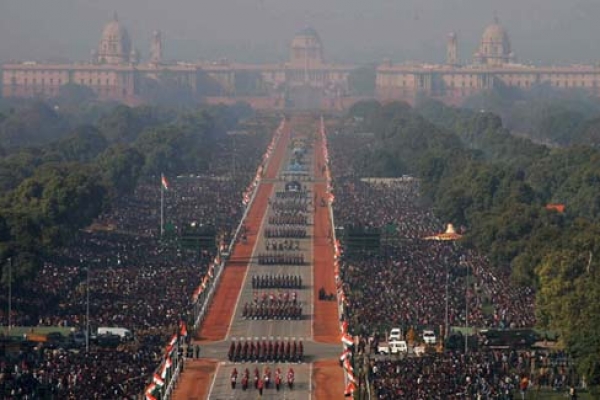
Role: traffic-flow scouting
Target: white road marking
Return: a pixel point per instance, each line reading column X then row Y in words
column 310, row 381
column 212, row 385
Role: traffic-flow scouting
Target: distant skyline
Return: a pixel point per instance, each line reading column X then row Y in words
column 541, row 31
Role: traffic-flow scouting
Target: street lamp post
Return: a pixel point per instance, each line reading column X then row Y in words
column 467, row 312
column 9, row 293
column 87, row 310
column 446, row 321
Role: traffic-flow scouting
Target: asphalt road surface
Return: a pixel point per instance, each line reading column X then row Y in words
column 280, row 330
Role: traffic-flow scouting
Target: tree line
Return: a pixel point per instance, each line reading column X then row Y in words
column 501, row 189
column 57, row 175
column 555, row 116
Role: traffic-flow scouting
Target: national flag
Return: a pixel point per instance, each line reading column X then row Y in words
column 350, row 388
column 150, row 389
column 196, row 294
column 347, row 340
column 183, row 330
column 348, row 366
column 351, row 377
column 150, row 397
column 164, row 182
column 345, row 355
column 168, row 363
column 171, row 344
column 158, row 380
column 344, row 326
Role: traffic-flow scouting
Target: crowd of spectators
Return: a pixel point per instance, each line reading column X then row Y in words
column 489, row 374
column 136, row 281
column 404, row 283
column 413, row 282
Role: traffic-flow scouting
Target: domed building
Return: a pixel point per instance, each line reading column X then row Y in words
column 307, row 48
column 115, row 44
column 494, row 48
column 305, row 80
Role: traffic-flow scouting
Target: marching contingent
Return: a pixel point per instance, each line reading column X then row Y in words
column 275, row 297
column 266, row 351
column 262, row 382
column 280, row 306
column 276, row 281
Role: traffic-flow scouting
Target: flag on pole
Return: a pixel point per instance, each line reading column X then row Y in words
column 347, row 340
column 348, row 366
column 164, row 182
column 183, row 329
column 158, row 380
column 350, row 388
column 166, row 366
column 345, row 355
column 150, row 389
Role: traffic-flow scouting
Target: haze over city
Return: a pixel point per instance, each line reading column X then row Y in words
column 541, row 31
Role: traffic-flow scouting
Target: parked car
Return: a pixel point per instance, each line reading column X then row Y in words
column 429, row 337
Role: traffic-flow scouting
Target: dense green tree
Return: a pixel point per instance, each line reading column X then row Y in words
column 122, row 167
column 83, row 145
column 34, row 124
column 73, row 95
column 124, row 124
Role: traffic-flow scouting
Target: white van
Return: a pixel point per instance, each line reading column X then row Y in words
column 398, row 346
column 429, row 337
column 123, row 333
column 395, row 334
column 393, row 347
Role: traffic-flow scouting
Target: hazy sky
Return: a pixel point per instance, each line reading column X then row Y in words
column 541, row 31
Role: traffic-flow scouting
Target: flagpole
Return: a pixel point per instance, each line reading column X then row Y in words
column 162, row 208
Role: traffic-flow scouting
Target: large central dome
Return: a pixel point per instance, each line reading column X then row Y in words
column 496, row 34
column 494, row 48
column 307, row 48
column 115, row 44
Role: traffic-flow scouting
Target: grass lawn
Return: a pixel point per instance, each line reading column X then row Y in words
column 41, row 330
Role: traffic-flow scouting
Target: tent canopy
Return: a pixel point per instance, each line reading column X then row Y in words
column 450, row 234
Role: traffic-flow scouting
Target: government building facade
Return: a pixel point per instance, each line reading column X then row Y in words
column 494, row 64
column 116, row 72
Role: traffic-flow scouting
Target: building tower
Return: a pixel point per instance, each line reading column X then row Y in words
column 452, row 50
column 156, row 48
column 307, row 48
column 115, row 45
column 494, row 48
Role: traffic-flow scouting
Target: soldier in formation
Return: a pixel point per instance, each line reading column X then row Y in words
column 280, row 259
column 282, row 245
column 285, row 232
column 286, row 311
column 276, row 281
column 266, row 351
